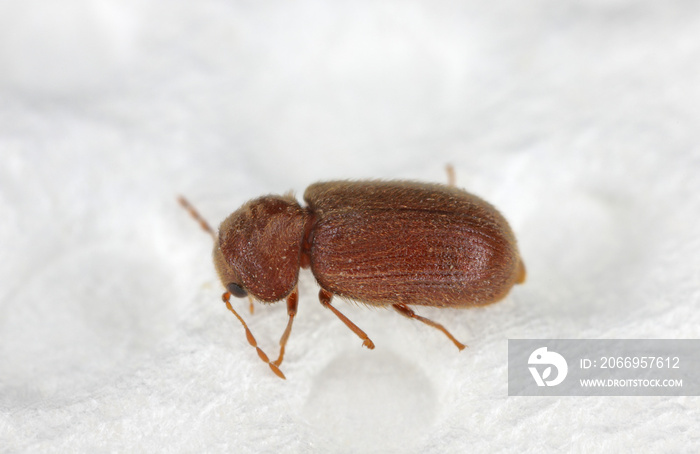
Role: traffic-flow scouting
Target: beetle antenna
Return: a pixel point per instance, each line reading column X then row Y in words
column 251, row 340
column 197, row 217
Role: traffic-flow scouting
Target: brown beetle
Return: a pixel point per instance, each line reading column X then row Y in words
column 381, row 243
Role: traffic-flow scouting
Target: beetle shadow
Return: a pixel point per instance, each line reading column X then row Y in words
column 374, row 402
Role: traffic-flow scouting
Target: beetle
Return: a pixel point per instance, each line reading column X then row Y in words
column 382, row 243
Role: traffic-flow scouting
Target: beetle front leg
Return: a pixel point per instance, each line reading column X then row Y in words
column 251, row 339
column 325, row 297
column 292, row 301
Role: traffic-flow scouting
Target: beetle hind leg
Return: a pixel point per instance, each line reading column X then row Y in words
column 197, row 217
column 451, row 178
column 408, row 312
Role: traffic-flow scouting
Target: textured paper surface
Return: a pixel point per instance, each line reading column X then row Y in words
column 578, row 120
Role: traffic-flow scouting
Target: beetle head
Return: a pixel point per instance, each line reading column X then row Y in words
column 259, row 248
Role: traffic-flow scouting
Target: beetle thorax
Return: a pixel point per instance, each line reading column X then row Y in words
column 259, row 247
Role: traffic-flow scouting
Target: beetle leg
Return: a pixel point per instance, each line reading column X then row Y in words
column 252, row 307
column 292, row 301
column 325, row 298
column 408, row 312
column 251, row 340
column 522, row 273
column 451, row 178
column 197, row 217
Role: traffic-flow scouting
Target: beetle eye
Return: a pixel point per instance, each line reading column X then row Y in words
column 236, row 290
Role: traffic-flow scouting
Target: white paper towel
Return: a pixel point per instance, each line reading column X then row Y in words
column 578, row 120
